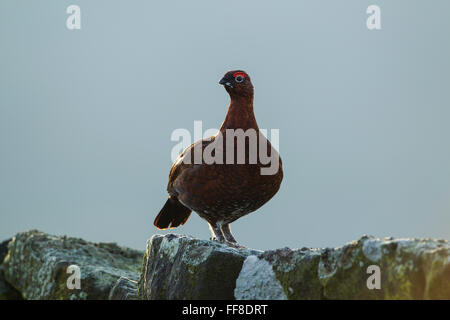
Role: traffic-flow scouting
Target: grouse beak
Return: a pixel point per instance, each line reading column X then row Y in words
column 225, row 82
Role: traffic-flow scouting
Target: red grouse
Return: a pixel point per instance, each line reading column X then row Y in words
column 234, row 183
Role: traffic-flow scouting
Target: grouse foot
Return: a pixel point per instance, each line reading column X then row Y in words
column 234, row 245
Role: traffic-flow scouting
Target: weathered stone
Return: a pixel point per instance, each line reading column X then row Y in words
column 7, row 292
column 265, row 287
column 292, row 269
column 124, row 289
column 3, row 249
column 181, row 267
column 410, row 269
column 36, row 265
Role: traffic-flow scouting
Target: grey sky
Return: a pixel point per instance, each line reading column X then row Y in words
column 86, row 115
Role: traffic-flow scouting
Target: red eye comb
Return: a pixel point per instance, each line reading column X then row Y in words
column 242, row 74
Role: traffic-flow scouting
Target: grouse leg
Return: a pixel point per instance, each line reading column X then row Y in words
column 227, row 233
column 216, row 232
column 229, row 239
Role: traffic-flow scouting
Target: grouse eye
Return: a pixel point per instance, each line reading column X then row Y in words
column 239, row 79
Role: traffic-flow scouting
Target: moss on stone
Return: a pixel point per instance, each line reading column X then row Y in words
column 36, row 265
column 180, row 267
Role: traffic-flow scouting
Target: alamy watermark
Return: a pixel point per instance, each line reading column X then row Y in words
column 373, row 22
column 234, row 146
column 74, row 280
column 374, row 281
column 73, row 21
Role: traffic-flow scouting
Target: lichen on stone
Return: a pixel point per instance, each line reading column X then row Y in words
column 36, row 265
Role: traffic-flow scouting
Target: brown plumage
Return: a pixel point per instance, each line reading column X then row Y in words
column 221, row 192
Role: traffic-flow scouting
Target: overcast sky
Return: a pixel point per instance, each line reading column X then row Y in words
column 86, row 115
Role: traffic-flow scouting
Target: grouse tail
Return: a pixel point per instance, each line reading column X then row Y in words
column 172, row 215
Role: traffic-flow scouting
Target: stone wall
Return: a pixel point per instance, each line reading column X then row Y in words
column 34, row 265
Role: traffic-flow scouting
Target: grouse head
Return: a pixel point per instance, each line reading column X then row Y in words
column 238, row 84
